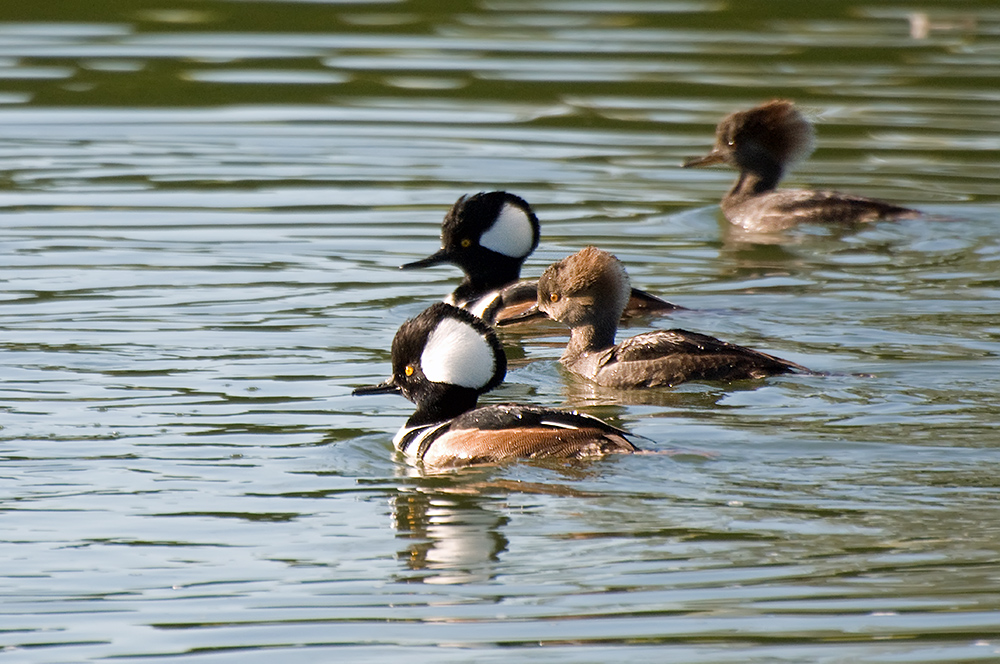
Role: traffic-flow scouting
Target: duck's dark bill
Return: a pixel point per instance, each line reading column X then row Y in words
column 388, row 387
column 531, row 314
column 709, row 159
column 441, row 256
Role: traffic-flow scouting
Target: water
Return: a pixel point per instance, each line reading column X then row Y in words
column 204, row 206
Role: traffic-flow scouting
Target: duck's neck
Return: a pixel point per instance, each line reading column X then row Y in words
column 478, row 283
column 590, row 338
column 758, row 177
column 440, row 402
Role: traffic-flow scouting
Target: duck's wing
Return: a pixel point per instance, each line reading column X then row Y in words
column 784, row 208
column 669, row 357
column 502, row 432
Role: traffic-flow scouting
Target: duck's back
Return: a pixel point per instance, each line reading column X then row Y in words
column 670, row 357
column 501, row 432
column 784, row 208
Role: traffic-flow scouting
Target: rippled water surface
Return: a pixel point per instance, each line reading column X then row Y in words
column 203, row 208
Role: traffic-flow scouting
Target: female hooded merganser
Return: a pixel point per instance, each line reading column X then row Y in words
column 442, row 360
column 587, row 291
column 762, row 143
column 489, row 235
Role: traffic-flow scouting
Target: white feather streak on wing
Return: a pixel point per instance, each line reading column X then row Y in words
column 457, row 354
column 560, row 425
column 511, row 234
column 598, row 422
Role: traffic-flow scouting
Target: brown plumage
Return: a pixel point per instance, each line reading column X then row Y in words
column 763, row 143
column 588, row 290
column 461, row 447
column 670, row 357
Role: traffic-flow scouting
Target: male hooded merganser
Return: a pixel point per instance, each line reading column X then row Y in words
column 489, row 235
column 587, row 291
column 762, row 143
column 442, row 360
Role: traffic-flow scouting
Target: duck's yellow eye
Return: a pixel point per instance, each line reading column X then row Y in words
column 466, row 243
column 408, row 370
column 553, row 297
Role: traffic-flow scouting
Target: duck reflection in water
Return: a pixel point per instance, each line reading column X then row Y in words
column 454, row 524
column 454, row 537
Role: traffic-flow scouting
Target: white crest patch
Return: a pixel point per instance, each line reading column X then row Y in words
column 511, row 234
column 457, row 354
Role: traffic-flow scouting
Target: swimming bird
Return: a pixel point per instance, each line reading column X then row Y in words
column 489, row 235
column 763, row 143
column 588, row 290
column 442, row 360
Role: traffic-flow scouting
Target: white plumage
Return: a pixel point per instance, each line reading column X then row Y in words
column 456, row 353
column 511, row 234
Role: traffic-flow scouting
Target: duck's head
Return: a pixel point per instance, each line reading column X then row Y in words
column 442, row 360
column 486, row 231
column 774, row 134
